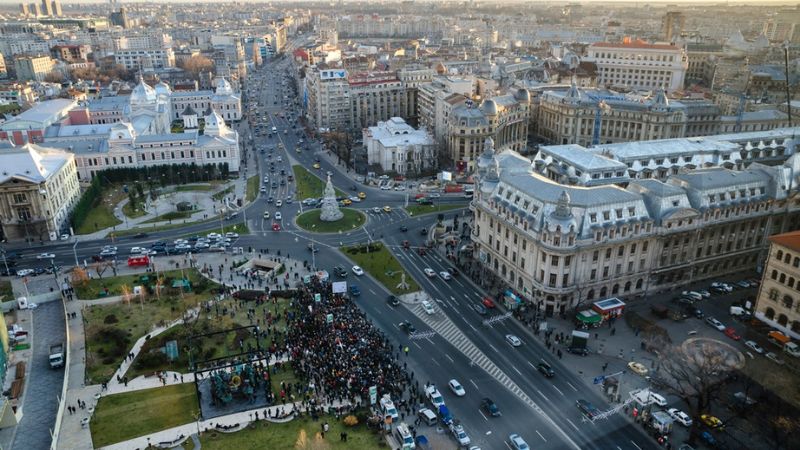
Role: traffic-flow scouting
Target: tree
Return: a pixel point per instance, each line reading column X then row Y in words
column 101, row 267
column 132, row 199
column 196, row 65
column 79, row 277
column 54, row 77
column 696, row 371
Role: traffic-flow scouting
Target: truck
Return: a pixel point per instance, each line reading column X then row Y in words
column 57, row 355
column 783, row 341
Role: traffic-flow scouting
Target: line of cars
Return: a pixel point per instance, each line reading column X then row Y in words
column 211, row 242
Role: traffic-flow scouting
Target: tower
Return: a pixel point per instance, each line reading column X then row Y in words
column 23, row 9
column 47, row 8
column 672, row 25
column 57, row 8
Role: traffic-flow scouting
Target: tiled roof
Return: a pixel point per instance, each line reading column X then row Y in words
column 789, row 240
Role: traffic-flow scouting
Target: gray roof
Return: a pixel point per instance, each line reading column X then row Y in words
column 171, row 137
column 718, row 177
column 658, row 188
column 665, row 147
column 548, row 191
column 581, row 158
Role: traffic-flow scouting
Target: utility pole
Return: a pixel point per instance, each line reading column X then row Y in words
column 786, row 73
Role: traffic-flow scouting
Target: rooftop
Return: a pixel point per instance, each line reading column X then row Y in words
column 45, row 112
column 665, row 147
column 635, row 44
column 790, row 240
column 31, row 163
column 582, row 158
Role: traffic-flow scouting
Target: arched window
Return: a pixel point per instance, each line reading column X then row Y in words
column 603, row 292
column 796, row 262
column 639, row 283
column 779, row 255
column 783, row 320
column 796, row 326
column 788, row 301
column 590, row 295
column 782, row 278
column 774, row 275
column 769, row 313
column 791, row 282
column 615, row 289
column 787, row 259
column 628, row 286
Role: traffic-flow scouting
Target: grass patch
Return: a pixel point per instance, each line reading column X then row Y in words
column 172, row 215
column 382, row 265
column 212, row 319
column 6, row 291
column 125, row 416
column 131, row 213
column 416, row 210
column 96, row 288
column 193, row 187
column 253, row 184
column 307, row 185
column 310, row 221
column 102, row 215
column 296, row 434
column 223, row 193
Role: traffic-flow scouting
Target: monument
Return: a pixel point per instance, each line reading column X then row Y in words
column 330, row 208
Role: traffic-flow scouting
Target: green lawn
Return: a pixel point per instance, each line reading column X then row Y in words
column 193, row 187
column 6, row 292
column 151, row 359
column 382, row 265
column 223, row 193
column 172, row 215
column 310, row 221
column 95, row 287
column 416, row 210
column 131, row 213
column 253, row 183
column 120, row 417
column 299, row 434
column 307, row 185
column 102, row 215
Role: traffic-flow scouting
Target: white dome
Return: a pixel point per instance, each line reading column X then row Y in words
column 223, row 87
column 163, row 89
column 214, row 123
column 143, row 94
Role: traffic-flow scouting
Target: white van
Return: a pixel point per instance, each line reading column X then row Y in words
column 387, row 406
column 696, row 296
column 404, row 436
column 427, row 416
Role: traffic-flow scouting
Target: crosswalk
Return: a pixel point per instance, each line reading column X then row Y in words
column 440, row 323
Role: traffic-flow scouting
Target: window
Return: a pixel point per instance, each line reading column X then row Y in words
column 24, row 213
column 595, row 256
column 20, row 197
column 554, row 260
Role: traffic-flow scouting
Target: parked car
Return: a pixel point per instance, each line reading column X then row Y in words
column 587, row 409
column 680, row 417
column 488, row 302
column 731, row 333
column 755, row 347
column 711, row 421
column 774, row 358
column 715, row 323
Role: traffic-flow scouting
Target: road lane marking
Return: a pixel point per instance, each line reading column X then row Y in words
column 559, row 390
column 517, row 370
column 545, row 397
column 540, row 435
column 483, row 415
column 573, row 387
column 417, row 345
column 473, row 383
column 634, row 444
column 577, row 429
column 507, row 445
column 531, row 364
column 448, row 357
column 493, row 348
column 373, row 292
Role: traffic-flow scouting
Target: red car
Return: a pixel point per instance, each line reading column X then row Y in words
column 487, row 302
column 276, row 227
column 731, row 333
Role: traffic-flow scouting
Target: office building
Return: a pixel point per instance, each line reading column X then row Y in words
column 33, row 68
column 635, row 64
column 778, row 301
column 398, row 148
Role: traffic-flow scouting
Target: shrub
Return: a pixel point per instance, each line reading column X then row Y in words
column 109, row 319
column 350, row 421
column 151, row 360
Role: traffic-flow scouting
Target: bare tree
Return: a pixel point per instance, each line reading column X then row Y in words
column 696, row 371
column 196, row 65
column 101, row 267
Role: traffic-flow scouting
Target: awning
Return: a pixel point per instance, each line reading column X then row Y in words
column 588, row 316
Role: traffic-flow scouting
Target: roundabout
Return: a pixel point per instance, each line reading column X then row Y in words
column 351, row 220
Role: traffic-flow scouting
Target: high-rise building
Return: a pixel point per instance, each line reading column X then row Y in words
column 47, row 8
column 672, row 25
column 636, row 64
column 35, row 9
column 23, row 9
column 33, row 68
column 57, row 8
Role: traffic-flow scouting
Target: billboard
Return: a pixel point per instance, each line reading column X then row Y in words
column 339, row 287
column 332, row 74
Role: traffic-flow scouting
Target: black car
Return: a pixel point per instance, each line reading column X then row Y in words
column 580, row 351
column 587, row 409
column 452, row 271
column 340, row 271
column 403, row 228
column 393, row 300
column 407, row 326
column 423, row 231
column 490, row 407
column 140, row 235
column 546, row 370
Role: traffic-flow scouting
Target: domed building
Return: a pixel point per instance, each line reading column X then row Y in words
column 148, row 109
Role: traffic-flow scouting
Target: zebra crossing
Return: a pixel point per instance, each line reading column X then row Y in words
column 445, row 327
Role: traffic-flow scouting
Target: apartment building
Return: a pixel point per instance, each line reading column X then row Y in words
column 560, row 245
column 327, row 100
column 435, row 101
column 636, row 64
column 778, row 301
column 33, row 68
column 375, row 97
column 145, row 59
column 38, row 189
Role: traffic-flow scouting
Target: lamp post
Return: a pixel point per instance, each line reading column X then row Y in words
column 5, row 263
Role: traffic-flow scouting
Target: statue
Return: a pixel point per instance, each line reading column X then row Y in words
column 330, row 208
column 403, row 284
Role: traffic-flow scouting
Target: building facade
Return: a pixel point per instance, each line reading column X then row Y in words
column 639, row 65
column 561, row 245
column 38, row 190
column 397, row 147
column 145, row 59
column 33, row 68
column 778, row 301
column 504, row 119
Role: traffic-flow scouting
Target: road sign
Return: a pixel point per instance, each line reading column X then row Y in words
column 329, row 318
column 599, row 380
column 373, row 395
column 317, row 297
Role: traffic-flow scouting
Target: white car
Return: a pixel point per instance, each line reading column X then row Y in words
column 278, row 203
column 429, row 272
column 445, row 275
column 756, row 348
column 427, row 307
column 658, row 399
column 278, row 216
column 774, row 358
column 460, row 434
column 680, row 416
column 24, row 272
column 136, row 250
column 715, row 323
column 376, row 210
column 434, row 396
column 517, row 443
column 456, row 387
column 232, row 235
column 513, row 340
column 358, row 271
column 45, row 256
column 266, row 214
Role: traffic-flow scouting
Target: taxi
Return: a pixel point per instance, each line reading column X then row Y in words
column 316, row 165
column 362, row 195
column 387, row 209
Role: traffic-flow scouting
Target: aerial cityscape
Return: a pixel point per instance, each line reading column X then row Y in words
column 399, row 224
